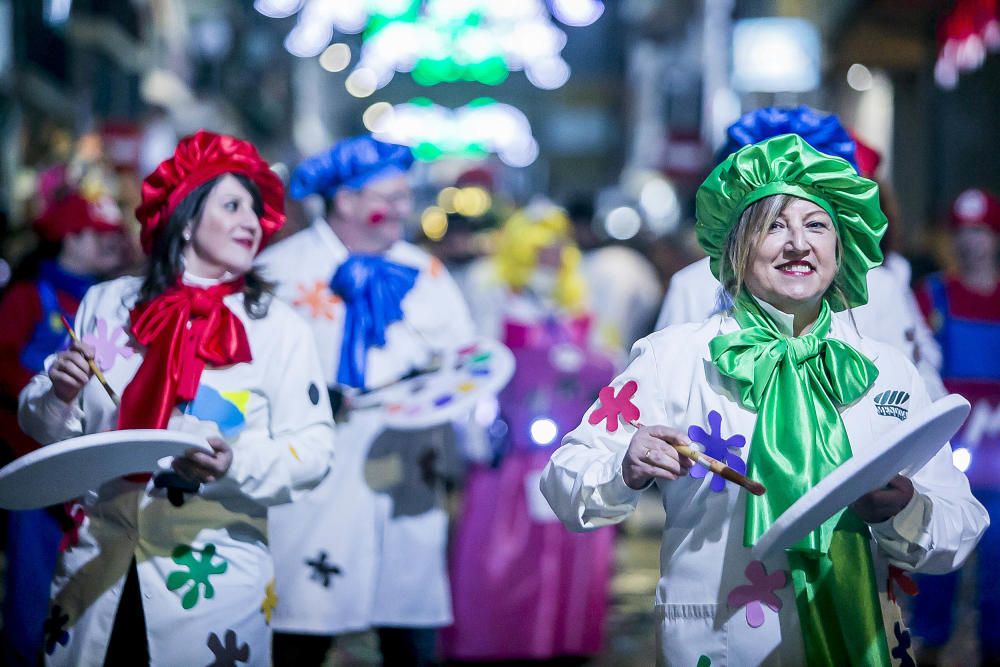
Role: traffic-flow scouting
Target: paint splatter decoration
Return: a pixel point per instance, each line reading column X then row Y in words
column 199, row 570
column 719, row 448
column 226, row 409
column 109, row 344
column 323, row 571
column 229, row 652
column 759, row 593
column 901, row 651
column 317, row 301
column 451, row 389
column 269, row 603
column 54, row 630
column 612, row 405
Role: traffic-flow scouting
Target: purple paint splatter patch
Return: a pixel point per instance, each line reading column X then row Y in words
column 718, row 448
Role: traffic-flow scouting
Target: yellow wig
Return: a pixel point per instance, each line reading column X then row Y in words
column 524, row 236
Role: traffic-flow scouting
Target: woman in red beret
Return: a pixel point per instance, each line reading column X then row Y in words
column 174, row 568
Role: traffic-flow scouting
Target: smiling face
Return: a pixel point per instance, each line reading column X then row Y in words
column 795, row 260
column 227, row 235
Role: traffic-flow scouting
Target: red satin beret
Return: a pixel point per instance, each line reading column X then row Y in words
column 199, row 158
column 71, row 213
column 976, row 207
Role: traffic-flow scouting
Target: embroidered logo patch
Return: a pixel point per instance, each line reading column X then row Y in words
column 890, row 404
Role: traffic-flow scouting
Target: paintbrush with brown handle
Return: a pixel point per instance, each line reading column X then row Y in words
column 93, row 366
column 716, row 466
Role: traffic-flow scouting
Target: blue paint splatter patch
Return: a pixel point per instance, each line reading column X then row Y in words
column 226, row 409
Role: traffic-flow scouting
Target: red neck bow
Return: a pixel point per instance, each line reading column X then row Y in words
column 184, row 329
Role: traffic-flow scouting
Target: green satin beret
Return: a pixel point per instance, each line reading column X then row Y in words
column 786, row 164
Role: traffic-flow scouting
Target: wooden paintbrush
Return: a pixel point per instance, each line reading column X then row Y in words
column 93, row 366
column 716, row 466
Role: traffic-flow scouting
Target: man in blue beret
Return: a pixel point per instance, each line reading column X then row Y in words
column 366, row 186
column 366, row 549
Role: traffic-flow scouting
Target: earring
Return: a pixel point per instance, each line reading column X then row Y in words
column 186, row 235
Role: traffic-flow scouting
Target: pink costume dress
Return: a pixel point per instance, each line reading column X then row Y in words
column 524, row 587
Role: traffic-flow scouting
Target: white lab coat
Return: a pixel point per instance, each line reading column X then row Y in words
column 702, row 554
column 891, row 314
column 367, row 547
column 283, row 447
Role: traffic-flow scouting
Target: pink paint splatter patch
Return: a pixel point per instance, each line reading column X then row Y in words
column 758, row 593
column 613, row 405
column 106, row 344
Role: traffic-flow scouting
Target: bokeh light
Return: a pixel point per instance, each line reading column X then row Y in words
column 434, row 223
column 335, row 58
column 361, row 83
column 622, row 223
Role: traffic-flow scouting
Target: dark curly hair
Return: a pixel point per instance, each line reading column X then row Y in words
column 166, row 263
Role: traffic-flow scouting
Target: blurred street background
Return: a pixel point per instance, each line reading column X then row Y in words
column 613, row 110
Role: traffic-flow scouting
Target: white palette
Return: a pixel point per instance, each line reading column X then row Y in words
column 480, row 369
column 903, row 450
column 65, row 470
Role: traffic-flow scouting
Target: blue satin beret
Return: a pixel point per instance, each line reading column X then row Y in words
column 350, row 163
column 819, row 129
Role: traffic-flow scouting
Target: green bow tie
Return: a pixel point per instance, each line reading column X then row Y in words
column 797, row 385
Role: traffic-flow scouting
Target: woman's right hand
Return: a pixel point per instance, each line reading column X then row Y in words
column 651, row 456
column 70, row 371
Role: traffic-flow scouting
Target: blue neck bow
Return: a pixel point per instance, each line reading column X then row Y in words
column 372, row 289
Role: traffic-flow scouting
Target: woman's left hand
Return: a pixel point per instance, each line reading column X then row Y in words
column 883, row 504
column 198, row 466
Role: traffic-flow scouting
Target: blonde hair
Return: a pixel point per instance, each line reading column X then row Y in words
column 746, row 236
column 524, row 236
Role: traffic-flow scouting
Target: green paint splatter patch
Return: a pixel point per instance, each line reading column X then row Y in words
column 199, row 570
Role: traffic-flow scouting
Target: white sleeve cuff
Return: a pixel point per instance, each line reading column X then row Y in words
column 58, row 410
column 617, row 492
column 906, row 532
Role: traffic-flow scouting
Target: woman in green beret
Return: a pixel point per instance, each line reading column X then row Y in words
column 778, row 389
